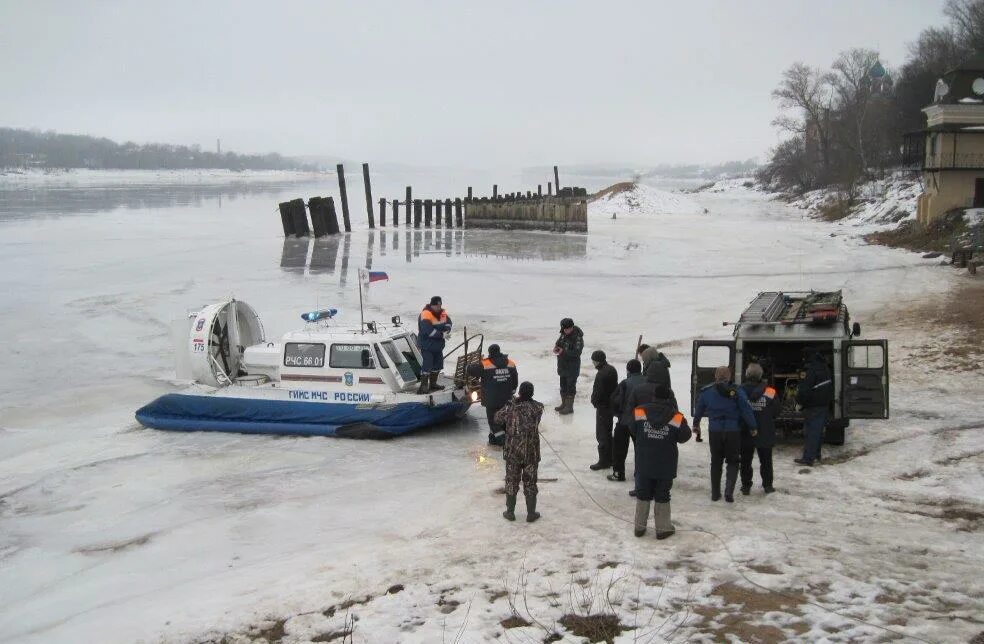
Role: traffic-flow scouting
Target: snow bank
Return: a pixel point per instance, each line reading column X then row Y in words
column 736, row 184
column 883, row 203
column 643, row 200
column 90, row 178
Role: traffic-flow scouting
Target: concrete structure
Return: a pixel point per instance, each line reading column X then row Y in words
column 950, row 150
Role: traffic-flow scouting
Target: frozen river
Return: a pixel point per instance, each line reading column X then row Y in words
column 111, row 532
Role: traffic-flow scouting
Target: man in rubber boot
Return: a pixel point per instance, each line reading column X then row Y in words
column 605, row 384
column 521, row 419
column 659, row 428
column 814, row 394
column 654, row 377
column 568, row 348
column 499, row 382
column 433, row 326
column 725, row 406
column 765, row 403
column 625, row 425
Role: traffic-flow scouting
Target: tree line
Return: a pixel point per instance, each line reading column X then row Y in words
column 845, row 124
column 35, row 149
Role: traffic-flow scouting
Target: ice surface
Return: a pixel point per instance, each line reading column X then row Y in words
column 111, row 532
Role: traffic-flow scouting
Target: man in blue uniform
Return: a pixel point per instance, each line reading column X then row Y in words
column 499, row 382
column 725, row 406
column 625, row 424
column 568, row 348
column 433, row 325
column 765, row 404
column 814, row 394
column 659, row 427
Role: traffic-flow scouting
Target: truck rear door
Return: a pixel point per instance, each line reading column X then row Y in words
column 864, row 383
column 708, row 355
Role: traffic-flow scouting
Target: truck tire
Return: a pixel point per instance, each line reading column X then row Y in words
column 833, row 433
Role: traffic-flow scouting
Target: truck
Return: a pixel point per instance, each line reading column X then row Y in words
column 780, row 331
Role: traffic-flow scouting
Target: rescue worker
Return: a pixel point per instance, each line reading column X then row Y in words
column 725, row 406
column 433, row 325
column 625, row 423
column 765, row 403
column 655, row 377
column 605, row 384
column 814, row 395
column 499, row 382
column 521, row 419
column 659, row 428
column 649, row 356
column 568, row 348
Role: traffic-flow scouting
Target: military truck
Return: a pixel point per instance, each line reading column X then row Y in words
column 780, row 330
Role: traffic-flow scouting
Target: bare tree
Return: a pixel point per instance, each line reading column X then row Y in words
column 967, row 19
column 808, row 90
column 852, row 87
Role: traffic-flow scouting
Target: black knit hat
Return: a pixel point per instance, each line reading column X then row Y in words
column 633, row 366
column 436, row 301
column 494, row 350
column 526, row 391
column 566, row 323
column 599, row 356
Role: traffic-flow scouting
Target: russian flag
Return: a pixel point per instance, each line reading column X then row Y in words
column 377, row 276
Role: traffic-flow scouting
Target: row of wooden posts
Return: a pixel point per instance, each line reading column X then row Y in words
column 446, row 213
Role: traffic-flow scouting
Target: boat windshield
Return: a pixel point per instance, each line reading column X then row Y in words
column 403, row 357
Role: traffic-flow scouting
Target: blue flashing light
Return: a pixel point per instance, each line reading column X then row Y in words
column 315, row 316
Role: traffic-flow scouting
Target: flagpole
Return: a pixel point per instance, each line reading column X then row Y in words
column 362, row 315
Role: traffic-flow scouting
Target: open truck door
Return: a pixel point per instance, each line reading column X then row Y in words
column 864, row 382
column 708, row 355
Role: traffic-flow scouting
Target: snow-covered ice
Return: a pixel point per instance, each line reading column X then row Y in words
column 111, row 532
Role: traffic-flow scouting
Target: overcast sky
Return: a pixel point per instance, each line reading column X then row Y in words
column 437, row 83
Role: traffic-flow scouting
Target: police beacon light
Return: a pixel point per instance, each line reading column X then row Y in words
column 316, row 316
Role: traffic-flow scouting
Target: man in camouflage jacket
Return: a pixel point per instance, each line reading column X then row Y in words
column 521, row 418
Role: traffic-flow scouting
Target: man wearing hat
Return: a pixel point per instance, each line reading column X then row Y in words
column 433, row 325
column 605, row 384
column 568, row 348
column 521, row 420
column 499, row 382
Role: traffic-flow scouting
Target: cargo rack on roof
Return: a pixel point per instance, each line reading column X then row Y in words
column 813, row 307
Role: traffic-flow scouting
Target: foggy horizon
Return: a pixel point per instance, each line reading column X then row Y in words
column 436, row 84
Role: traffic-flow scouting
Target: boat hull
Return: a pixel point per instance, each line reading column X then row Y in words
column 194, row 412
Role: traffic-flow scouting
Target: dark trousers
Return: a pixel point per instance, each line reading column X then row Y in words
column 497, row 434
column 603, row 432
column 748, row 451
column 620, row 447
column 649, row 489
column 725, row 448
column 568, row 386
column 521, row 472
column 814, row 419
column 431, row 361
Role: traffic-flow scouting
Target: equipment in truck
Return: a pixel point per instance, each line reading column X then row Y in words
column 780, row 331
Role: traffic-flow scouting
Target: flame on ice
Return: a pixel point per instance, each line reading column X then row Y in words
column 482, row 459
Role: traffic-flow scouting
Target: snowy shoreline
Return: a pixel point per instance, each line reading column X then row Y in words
column 95, row 178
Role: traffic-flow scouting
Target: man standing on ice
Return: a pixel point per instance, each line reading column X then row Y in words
column 568, row 348
column 605, row 384
column 625, row 425
column 814, row 394
column 725, row 407
column 499, row 382
column 433, row 325
column 521, row 419
column 765, row 404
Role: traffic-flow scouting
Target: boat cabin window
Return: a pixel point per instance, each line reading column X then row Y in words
column 380, row 357
column 304, row 354
column 406, row 349
column 403, row 367
column 351, row 356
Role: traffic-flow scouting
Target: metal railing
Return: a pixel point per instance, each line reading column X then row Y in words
column 958, row 161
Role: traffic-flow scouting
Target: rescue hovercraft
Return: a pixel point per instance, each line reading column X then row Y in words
column 320, row 380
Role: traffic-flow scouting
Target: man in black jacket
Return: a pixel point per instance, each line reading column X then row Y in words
column 605, row 384
column 765, row 403
column 659, row 427
column 814, row 395
column 625, row 425
column 499, row 382
column 568, row 348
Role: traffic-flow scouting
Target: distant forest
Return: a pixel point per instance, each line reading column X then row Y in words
column 845, row 124
column 50, row 150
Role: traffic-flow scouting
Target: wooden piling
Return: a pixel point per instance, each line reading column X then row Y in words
column 332, row 217
column 428, row 212
column 396, row 213
column 549, row 188
column 539, row 190
column 469, row 192
column 458, row 216
column 495, row 191
column 407, row 206
column 417, row 209
column 319, row 215
column 286, row 219
column 382, row 212
column 438, row 206
column 556, row 180
column 365, row 180
column 447, row 213
column 298, row 214
column 343, row 195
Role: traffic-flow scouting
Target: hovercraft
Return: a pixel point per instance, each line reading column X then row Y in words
column 321, row 380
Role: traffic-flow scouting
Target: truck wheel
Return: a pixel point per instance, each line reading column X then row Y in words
column 833, row 434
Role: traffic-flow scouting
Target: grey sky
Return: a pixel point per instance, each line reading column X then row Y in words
column 435, row 83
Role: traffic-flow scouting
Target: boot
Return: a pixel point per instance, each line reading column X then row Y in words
column 433, row 382
column 661, row 517
column 715, row 486
column 424, row 387
column 510, row 513
column 746, row 490
column 563, row 401
column 568, row 407
column 641, row 517
column 731, row 478
column 616, row 476
column 531, row 513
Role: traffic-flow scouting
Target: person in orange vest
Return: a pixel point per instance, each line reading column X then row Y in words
column 765, row 403
column 433, row 325
column 499, row 382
